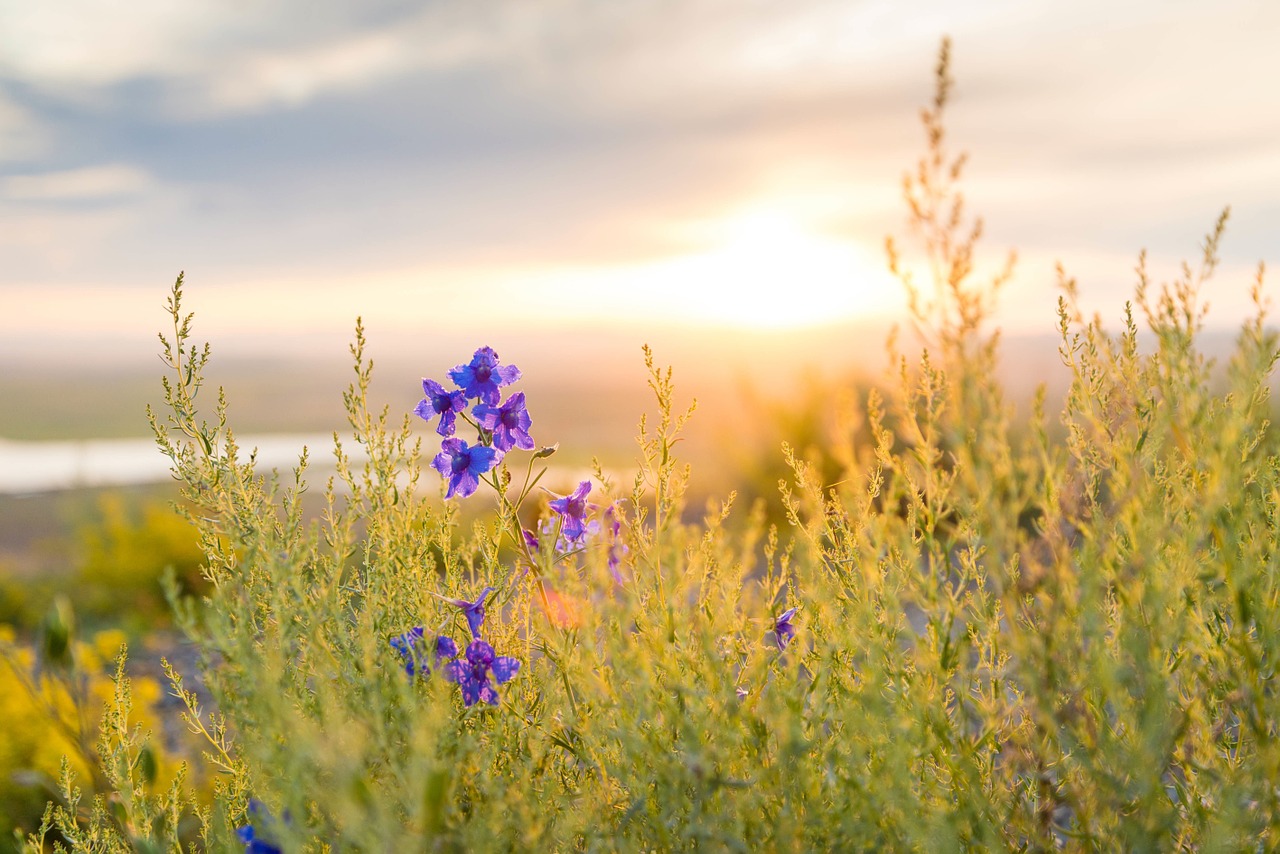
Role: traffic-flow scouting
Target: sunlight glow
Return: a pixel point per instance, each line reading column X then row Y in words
column 765, row 270
column 769, row 272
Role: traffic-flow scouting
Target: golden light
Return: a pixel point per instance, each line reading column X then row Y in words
column 764, row 269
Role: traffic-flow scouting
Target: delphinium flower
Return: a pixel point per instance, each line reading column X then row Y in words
column 463, row 465
column 617, row 548
column 472, row 674
column 440, row 401
column 473, row 611
column 509, row 423
column 257, row 835
column 530, row 539
column 412, row 647
column 573, row 513
column 783, row 631
column 547, row 530
column 482, row 377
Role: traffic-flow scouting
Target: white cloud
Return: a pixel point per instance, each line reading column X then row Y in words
column 87, row 184
column 99, row 42
column 213, row 57
column 257, row 78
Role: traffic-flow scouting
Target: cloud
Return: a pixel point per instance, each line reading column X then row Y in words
column 92, row 43
column 22, row 136
column 211, row 58
column 323, row 136
column 92, row 183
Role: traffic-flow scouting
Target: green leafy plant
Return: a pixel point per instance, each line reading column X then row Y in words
column 974, row 637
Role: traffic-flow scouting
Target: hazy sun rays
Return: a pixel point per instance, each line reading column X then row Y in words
column 764, row 267
column 760, row 268
column 767, row 269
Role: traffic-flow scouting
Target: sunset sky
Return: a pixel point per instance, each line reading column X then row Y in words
column 460, row 168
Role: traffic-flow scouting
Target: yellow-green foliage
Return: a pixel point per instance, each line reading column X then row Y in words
column 1003, row 642
column 125, row 552
column 50, row 713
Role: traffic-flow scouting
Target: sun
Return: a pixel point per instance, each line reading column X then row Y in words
column 768, row 267
column 765, row 269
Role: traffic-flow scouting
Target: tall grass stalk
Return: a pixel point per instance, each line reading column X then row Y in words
column 999, row 641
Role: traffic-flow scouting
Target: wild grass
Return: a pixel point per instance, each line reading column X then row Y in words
column 1002, row 641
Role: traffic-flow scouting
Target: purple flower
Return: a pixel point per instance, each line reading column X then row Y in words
column 482, row 377
column 473, row 611
column 509, row 423
column 472, row 675
column 463, row 465
column 440, row 401
column 617, row 548
column 258, row 834
column 573, row 513
column 547, row 530
column 412, row 648
column 783, row 631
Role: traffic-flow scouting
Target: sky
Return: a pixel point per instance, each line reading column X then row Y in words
column 459, row 170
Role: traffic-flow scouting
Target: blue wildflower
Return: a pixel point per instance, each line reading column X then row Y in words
column 473, row 611
column 412, row 648
column 783, row 631
column 617, row 548
column 463, row 465
column 547, row 530
column 473, row 674
column 509, row 423
column 258, row 834
column 440, row 401
column 530, row 539
column 483, row 375
column 573, row 513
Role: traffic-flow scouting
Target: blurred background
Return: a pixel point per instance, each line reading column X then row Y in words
column 563, row 181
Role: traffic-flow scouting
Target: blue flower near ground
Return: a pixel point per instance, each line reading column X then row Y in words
column 256, row 835
column 483, row 375
column 463, row 465
column 509, row 423
column 412, row 647
column 473, row 611
column 573, row 513
column 783, row 630
column 440, row 401
column 472, row 675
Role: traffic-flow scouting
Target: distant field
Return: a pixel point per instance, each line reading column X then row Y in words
column 586, row 392
column 585, row 389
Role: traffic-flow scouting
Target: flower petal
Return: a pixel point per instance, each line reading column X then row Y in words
column 462, row 484
column 470, row 692
column 505, row 667
column 506, row 374
column 446, row 648
column 480, row 653
column 482, row 459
